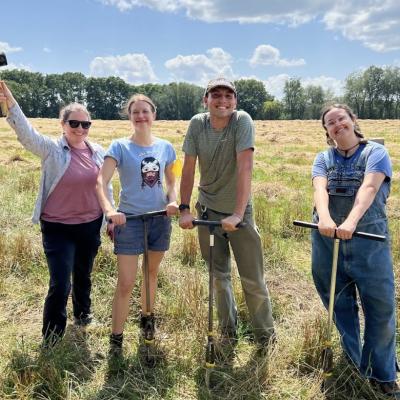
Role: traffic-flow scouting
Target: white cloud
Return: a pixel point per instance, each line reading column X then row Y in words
column 133, row 68
column 200, row 68
column 163, row 5
column 46, row 50
column 251, row 11
column 11, row 66
column 6, row 48
column 266, row 54
column 375, row 23
column 275, row 84
column 326, row 82
column 254, row 11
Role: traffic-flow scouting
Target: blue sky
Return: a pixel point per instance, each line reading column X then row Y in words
column 161, row 41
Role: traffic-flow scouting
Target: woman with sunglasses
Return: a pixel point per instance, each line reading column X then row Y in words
column 144, row 162
column 67, row 209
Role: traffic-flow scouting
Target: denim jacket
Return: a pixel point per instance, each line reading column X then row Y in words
column 55, row 156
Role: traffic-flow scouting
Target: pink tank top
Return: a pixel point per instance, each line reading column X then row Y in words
column 74, row 200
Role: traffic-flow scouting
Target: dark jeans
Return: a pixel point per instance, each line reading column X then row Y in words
column 70, row 250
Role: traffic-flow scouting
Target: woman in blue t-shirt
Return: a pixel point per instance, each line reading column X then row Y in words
column 144, row 162
column 351, row 183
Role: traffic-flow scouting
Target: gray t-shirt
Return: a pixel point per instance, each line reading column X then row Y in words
column 216, row 151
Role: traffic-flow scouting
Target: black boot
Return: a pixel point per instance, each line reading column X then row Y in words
column 116, row 344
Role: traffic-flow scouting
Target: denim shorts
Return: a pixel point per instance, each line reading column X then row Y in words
column 128, row 238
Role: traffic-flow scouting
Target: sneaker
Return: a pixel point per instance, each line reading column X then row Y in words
column 87, row 324
column 83, row 322
column 390, row 389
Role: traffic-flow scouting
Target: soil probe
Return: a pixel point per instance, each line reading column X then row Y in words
column 327, row 354
column 149, row 326
column 210, row 348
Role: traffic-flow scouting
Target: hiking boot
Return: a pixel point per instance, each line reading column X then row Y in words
column 116, row 344
column 265, row 345
column 225, row 347
column 390, row 389
column 147, row 326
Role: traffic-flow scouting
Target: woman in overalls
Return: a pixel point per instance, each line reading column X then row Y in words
column 351, row 183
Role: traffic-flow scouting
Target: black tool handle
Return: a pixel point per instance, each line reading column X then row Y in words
column 147, row 215
column 197, row 222
column 143, row 216
column 363, row 235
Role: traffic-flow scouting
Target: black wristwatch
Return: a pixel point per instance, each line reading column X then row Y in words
column 184, row 207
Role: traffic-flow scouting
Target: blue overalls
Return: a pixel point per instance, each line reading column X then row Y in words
column 362, row 264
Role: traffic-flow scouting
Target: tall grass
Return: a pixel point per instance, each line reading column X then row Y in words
column 79, row 367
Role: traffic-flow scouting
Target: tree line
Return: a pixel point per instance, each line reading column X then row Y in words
column 373, row 94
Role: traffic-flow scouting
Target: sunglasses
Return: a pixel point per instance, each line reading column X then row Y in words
column 73, row 123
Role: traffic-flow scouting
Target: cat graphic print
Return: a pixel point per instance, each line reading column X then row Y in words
column 150, row 169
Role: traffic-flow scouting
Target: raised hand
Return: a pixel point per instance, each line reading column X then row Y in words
column 6, row 95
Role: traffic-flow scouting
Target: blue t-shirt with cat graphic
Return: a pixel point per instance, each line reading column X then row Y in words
column 141, row 173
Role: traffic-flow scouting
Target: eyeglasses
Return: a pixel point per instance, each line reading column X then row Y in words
column 73, row 123
column 332, row 123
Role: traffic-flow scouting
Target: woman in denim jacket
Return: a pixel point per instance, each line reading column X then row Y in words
column 67, row 209
column 351, row 183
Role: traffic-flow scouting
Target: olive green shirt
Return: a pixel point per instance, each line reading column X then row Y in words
column 216, row 151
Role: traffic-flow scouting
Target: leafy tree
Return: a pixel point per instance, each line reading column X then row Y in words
column 251, row 96
column 30, row 91
column 315, row 100
column 372, row 82
column 373, row 93
column 388, row 92
column 294, row 99
column 272, row 109
column 53, row 94
column 396, row 91
column 72, row 87
column 106, row 97
column 355, row 93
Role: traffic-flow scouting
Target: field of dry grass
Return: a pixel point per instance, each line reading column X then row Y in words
column 79, row 368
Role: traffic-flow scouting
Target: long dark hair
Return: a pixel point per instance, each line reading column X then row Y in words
column 351, row 114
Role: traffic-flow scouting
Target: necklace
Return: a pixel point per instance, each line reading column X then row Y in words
column 347, row 150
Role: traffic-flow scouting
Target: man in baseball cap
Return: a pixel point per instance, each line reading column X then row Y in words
column 222, row 139
column 220, row 82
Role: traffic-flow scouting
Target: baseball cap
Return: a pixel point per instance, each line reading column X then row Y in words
column 220, row 82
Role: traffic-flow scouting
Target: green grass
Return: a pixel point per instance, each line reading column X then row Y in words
column 79, row 366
